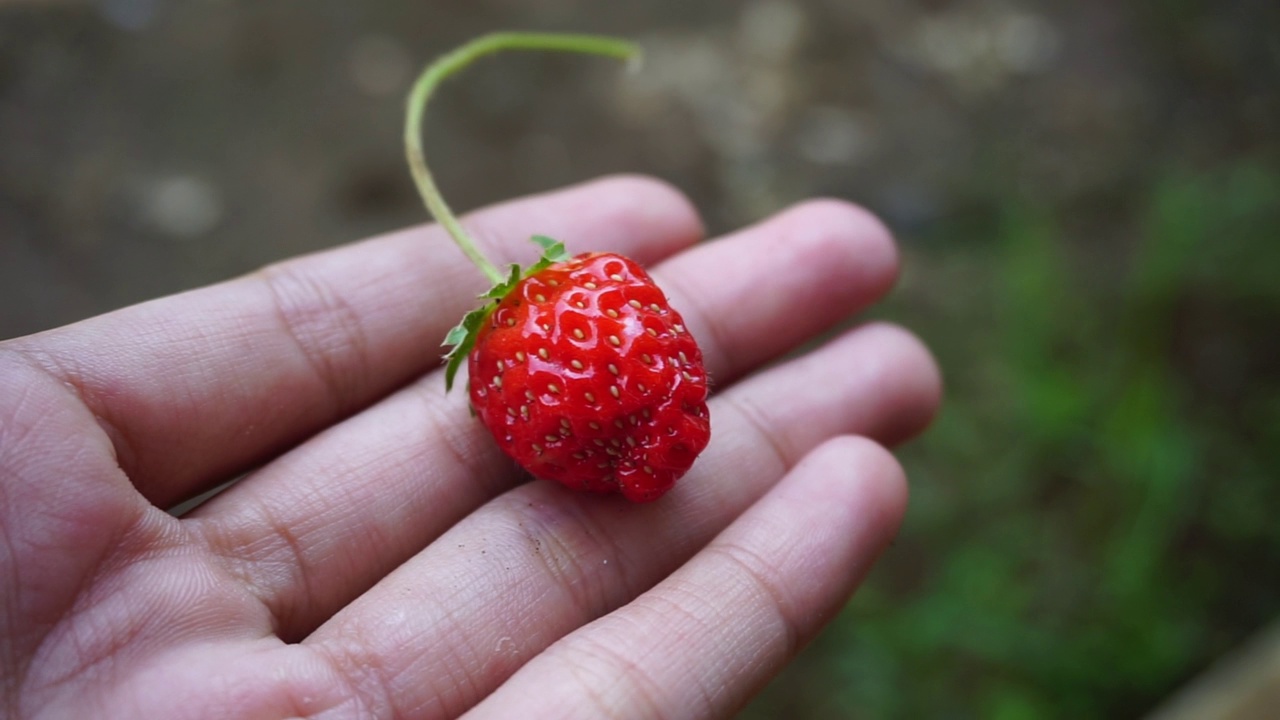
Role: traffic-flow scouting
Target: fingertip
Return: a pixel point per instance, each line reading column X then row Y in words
column 910, row 379
column 849, row 236
column 865, row 477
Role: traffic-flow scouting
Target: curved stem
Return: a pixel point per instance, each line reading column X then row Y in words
column 451, row 63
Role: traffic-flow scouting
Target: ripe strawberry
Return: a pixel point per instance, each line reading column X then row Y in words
column 579, row 368
column 586, row 376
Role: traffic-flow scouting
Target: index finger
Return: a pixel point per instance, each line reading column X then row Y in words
column 195, row 387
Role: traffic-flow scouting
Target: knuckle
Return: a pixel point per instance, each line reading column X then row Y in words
column 324, row 326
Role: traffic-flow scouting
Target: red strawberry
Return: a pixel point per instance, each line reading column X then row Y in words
column 586, row 376
column 578, row 366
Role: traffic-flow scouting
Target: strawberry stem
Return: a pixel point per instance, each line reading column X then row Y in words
column 455, row 61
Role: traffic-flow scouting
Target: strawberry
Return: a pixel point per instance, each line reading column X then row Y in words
column 586, row 376
column 578, row 366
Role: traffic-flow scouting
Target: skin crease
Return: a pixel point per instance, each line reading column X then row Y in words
column 380, row 556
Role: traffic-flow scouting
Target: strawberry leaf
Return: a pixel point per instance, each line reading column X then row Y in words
column 553, row 250
column 514, row 275
column 462, row 338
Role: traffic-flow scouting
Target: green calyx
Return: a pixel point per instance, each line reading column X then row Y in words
column 463, row 337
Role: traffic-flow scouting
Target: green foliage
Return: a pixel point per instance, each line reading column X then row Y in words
column 1093, row 512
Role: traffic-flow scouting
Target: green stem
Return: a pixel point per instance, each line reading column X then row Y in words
column 449, row 64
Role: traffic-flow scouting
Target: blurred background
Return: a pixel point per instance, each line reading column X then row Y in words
column 1087, row 194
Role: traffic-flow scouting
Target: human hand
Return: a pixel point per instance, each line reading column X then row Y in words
column 380, row 557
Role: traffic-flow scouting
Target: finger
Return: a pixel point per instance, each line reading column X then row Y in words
column 197, row 386
column 540, row 561
column 315, row 515
column 703, row 641
column 752, row 296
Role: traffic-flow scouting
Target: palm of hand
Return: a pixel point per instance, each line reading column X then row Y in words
column 381, row 559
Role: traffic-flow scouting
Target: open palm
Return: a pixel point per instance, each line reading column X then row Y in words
column 379, row 557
